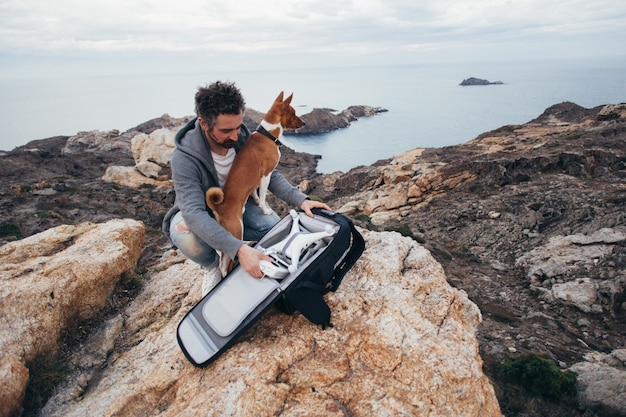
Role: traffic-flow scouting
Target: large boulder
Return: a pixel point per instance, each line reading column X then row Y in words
column 602, row 380
column 152, row 153
column 131, row 177
column 403, row 344
column 51, row 281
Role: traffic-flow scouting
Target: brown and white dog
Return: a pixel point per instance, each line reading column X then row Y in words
column 251, row 171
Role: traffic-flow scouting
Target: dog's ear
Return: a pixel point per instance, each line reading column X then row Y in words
column 288, row 99
column 279, row 98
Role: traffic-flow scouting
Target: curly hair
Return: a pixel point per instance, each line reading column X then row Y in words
column 218, row 98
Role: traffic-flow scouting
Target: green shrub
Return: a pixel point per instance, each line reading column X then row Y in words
column 479, row 189
column 10, row 230
column 573, row 136
column 363, row 218
column 539, row 376
column 405, row 230
column 46, row 372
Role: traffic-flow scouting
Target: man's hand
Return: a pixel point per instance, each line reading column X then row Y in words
column 307, row 205
column 249, row 260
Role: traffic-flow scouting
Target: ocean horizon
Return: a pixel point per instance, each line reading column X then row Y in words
column 426, row 105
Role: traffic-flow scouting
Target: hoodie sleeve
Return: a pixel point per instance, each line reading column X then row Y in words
column 283, row 189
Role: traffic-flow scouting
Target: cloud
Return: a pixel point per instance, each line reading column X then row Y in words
column 338, row 28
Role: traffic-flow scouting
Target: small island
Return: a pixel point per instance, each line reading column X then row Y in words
column 478, row 81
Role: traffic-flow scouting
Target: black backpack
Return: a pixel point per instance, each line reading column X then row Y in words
column 306, row 294
column 239, row 300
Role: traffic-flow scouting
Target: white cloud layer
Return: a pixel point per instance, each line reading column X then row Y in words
column 322, row 29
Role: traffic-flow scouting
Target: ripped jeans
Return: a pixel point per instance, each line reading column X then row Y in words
column 255, row 225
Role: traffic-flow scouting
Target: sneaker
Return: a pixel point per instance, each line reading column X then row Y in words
column 212, row 276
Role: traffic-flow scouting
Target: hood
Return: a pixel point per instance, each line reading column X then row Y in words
column 191, row 140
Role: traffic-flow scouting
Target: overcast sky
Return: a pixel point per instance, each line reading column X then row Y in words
column 43, row 36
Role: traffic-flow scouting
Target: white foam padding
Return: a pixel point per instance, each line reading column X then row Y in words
column 232, row 301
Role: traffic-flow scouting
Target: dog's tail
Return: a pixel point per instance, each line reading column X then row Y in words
column 214, row 197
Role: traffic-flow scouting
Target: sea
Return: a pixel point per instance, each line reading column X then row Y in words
column 425, row 105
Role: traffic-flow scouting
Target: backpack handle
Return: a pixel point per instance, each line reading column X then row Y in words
column 356, row 249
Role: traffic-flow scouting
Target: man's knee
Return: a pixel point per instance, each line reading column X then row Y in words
column 191, row 245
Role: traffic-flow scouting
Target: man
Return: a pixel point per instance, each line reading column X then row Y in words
column 205, row 150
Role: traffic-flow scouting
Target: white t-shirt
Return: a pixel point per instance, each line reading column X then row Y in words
column 223, row 164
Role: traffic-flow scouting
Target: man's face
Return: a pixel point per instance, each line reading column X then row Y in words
column 225, row 133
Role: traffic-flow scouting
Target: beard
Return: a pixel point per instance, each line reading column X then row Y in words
column 228, row 143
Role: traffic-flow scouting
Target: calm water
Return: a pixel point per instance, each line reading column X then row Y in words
column 427, row 107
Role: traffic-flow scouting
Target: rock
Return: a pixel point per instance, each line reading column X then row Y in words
column 559, row 175
column 326, row 120
column 550, row 191
column 151, row 145
column 403, row 344
column 400, row 188
column 321, row 121
column 131, row 177
column 353, row 113
column 601, row 381
column 612, row 112
column 297, row 166
column 567, row 112
column 252, row 118
column 572, row 256
column 164, row 122
column 14, row 377
column 478, row 81
column 53, row 280
column 581, row 293
column 153, row 153
column 96, row 140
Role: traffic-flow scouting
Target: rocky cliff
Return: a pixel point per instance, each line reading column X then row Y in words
column 530, row 221
column 403, row 341
column 527, row 220
column 52, row 281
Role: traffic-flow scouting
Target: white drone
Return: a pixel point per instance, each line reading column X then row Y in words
column 286, row 254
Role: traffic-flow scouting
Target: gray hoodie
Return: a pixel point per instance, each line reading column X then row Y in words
column 193, row 173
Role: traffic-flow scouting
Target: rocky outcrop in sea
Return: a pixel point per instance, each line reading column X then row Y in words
column 478, row 81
